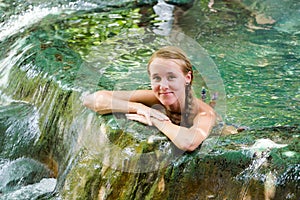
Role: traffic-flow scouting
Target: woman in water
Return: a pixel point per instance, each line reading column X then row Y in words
column 170, row 106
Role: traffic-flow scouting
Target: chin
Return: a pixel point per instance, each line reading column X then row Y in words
column 167, row 102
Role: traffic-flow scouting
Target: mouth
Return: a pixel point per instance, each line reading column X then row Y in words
column 165, row 93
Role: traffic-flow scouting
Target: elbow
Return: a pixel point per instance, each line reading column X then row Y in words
column 94, row 101
column 214, row 117
column 188, row 146
column 90, row 101
column 192, row 142
column 86, row 100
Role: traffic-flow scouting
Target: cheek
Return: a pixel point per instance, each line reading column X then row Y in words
column 177, row 86
column 154, row 87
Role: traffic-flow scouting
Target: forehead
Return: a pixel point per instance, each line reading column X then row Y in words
column 165, row 65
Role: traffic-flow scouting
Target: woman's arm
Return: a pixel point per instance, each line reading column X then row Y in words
column 139, row 101
column 187, row 139
column 105, row 101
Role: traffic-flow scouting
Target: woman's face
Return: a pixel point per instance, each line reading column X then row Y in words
column 168, row 81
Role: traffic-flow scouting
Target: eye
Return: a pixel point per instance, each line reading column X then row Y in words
column 171, row 77
column 156, row 78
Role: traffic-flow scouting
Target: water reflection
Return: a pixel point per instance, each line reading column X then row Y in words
column 259, row 66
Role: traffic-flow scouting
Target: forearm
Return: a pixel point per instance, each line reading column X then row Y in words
column 103, row 103
column 184, row 138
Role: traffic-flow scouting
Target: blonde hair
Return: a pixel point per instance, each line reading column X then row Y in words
column 172, row 52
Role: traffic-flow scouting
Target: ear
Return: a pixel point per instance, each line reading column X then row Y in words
column 188, row 77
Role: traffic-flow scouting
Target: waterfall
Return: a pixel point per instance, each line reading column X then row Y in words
column 51, row 147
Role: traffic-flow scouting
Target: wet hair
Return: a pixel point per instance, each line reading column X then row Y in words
column 172, row 52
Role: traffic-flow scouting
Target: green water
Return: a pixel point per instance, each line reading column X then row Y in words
column 260, row 68
column 90, row 47
column 259, row 63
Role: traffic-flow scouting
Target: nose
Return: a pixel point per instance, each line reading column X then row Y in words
column 163, row 85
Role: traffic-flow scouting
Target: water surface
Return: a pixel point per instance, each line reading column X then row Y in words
column 86, row 46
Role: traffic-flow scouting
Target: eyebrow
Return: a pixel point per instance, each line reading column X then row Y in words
column 156, row 74
column 169, row 73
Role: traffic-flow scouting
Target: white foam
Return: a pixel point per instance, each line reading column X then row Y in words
column 17, row 23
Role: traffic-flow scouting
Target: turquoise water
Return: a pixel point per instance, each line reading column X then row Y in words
column 259, row 63
column 86, row 46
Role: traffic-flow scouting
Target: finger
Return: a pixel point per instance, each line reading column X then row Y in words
column 159, row 115
column 156, row 111
column 147, row 115
column 133, row 117
column 137, row 117
column 148, row 118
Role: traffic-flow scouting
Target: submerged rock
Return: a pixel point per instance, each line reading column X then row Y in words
column 224, row 167
column 33, row 191
column 21, row 172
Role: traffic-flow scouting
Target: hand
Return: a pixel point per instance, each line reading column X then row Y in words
column 145, row 114
column 139, row 118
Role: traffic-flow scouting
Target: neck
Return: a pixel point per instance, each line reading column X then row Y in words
column 177, row 107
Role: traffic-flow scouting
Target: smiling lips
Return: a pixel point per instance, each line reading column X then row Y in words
column 165, row 93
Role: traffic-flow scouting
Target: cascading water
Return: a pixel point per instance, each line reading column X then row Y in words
column 25, row 172
column 54, row 52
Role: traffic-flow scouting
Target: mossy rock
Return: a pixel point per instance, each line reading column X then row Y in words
column 246, row 164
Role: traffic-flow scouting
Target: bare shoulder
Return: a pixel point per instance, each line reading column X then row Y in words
column 204, row 107
column 206, row 116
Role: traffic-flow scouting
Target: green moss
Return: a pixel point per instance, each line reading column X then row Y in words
column 192, row 175
column 86, row 182
column 84, row 30
column 51, row 56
